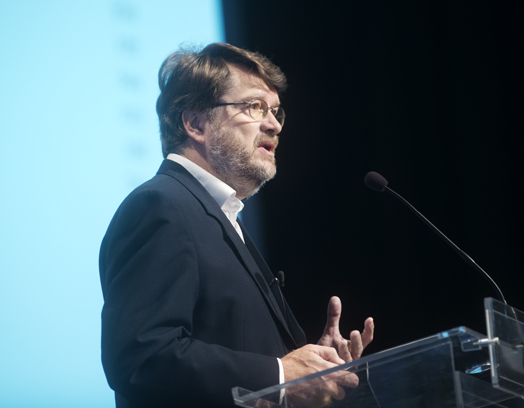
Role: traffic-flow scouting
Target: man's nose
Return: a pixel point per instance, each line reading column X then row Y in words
column 271, row 124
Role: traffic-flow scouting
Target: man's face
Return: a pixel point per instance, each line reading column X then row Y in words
column 240, row 149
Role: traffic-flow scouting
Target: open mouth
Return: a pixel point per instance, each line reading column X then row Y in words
column 268, row 147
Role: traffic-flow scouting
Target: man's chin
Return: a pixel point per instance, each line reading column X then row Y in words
column 265, row 161
column 266, row 170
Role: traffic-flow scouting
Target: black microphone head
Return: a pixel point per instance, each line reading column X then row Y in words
column 375, row 181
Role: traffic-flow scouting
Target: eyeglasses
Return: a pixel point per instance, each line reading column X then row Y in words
column 258, row 110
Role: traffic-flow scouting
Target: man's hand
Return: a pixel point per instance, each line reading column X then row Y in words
column 351, row 349
column 308, row 360
column 318, row 393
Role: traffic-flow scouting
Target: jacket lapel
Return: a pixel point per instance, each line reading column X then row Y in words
column 297, row 334
column 177, row 171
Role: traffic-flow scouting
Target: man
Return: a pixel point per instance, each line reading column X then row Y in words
column 191, row 308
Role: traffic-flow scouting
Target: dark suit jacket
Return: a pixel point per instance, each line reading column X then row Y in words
column 188, row 312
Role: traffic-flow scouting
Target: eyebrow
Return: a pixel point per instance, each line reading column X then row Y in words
column 263, row 99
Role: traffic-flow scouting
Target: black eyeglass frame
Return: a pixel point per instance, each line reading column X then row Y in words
column 278, row 110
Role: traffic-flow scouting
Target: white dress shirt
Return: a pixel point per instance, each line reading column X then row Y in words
column 223, row 194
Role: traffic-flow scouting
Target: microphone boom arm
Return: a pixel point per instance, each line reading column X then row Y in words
column 459, row 251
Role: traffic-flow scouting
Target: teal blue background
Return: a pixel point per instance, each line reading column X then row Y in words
column 78, row 131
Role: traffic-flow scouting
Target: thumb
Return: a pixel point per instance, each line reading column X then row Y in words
column 329, row 354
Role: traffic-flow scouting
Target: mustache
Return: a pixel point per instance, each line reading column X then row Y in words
column 266, row 137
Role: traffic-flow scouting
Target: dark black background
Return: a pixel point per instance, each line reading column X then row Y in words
column 429, row 94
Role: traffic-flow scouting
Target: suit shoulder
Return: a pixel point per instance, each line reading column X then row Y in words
column 159, row 200
column 161, row 189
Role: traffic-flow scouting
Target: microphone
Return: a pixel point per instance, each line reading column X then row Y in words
column 279, row 280
column 280, row 284
column 378, row 183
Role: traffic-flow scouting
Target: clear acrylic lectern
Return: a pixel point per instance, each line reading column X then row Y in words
column 455, row 368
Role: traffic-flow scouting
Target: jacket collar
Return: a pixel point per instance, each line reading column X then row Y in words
column 170, row 168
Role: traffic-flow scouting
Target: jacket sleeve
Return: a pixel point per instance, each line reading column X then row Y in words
column 150, row 280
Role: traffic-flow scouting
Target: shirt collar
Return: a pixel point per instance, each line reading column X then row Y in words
column 224, row 195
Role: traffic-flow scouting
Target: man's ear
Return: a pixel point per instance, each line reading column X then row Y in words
column 195, row 125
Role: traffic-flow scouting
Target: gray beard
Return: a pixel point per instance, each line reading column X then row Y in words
column 234, row 164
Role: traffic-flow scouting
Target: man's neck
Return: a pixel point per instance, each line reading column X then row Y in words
column 199, row 158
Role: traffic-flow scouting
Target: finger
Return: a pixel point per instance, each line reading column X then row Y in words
column 343, row 348
column 332, row 385
column 333, row 315
column 350, row 380
column 329, row 354
column 340, row 394
column 367, row 334
column 356, row 344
